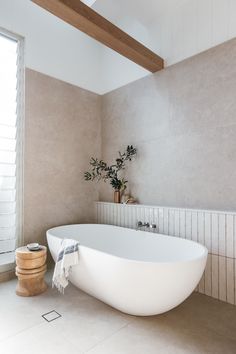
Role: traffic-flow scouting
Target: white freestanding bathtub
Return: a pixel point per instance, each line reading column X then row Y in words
column 136, row 272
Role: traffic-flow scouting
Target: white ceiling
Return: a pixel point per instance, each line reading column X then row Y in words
column 145, row 11
column 89, row 2
column 174, row 29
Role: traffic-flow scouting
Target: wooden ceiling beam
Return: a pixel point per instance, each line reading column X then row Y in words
column 90, row 22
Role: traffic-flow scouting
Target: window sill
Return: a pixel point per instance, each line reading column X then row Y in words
column 7, row 262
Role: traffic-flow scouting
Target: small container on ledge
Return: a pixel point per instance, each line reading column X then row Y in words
column 117, row 196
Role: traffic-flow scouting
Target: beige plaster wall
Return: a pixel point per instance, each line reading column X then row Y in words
column 183, row 122
column 62, row 131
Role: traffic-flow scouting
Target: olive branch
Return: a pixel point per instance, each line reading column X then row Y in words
column 102, row 171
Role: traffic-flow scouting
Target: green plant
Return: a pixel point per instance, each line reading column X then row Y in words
column 102, row 171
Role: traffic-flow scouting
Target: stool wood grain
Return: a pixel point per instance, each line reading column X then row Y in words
column 30, row 270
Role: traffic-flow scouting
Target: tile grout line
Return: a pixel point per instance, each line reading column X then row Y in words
column 22, row 331
column 106, row 338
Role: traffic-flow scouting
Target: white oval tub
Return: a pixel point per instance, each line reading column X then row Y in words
column 136, row 272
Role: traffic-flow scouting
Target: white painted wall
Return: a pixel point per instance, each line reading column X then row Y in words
column 53, row 47
column 193, row 27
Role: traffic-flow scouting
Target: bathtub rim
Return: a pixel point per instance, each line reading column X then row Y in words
column 182, row 262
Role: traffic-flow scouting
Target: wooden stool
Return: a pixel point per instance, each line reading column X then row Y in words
column 30, row 269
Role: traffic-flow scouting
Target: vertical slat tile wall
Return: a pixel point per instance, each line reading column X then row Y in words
column 216, row 230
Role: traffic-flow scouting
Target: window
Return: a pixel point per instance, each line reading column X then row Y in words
column 11, row 118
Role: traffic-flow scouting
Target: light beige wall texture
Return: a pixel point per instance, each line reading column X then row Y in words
column 183, row 122
column 62, row 131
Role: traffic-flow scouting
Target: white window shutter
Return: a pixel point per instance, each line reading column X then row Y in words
column 11, row 80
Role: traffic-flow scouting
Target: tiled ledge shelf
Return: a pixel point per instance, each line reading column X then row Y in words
column 215, row 229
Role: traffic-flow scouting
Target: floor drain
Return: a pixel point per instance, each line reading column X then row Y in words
column 51, row 316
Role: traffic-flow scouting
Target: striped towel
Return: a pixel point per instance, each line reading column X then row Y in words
column 68, row 256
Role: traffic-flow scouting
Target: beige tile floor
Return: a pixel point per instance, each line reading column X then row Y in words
column 200, row 325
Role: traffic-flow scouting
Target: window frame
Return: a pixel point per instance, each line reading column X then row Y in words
column 19, row 140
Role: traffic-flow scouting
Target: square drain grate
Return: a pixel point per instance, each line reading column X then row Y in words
column 51, row 316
